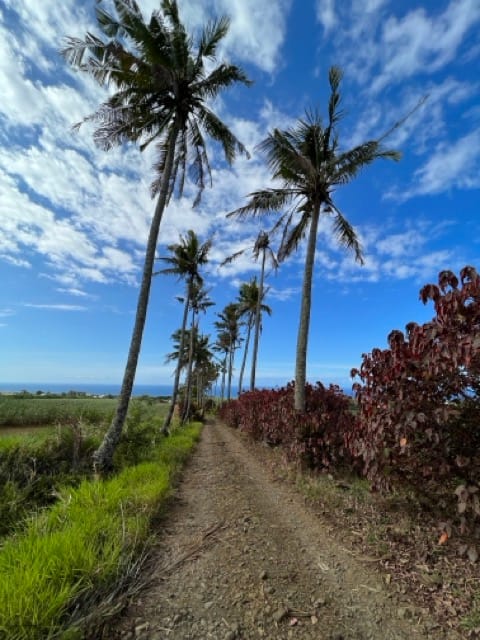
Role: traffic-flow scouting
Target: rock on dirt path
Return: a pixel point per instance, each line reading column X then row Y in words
column 240, row 557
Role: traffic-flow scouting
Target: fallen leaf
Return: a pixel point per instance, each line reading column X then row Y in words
column 314, row 619
column 403, row 442
column 443, row 538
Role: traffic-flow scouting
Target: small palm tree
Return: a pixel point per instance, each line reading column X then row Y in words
column 249, row 302
column 163, row 85
column 309, row 164
column 185, row 261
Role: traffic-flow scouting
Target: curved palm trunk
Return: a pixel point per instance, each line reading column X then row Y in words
column 103, row 456
column 257, row 324
column 245, row 353
column 176, row 381
column 188, row 394
column 306, row 304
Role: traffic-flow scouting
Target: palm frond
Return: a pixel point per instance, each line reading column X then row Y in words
column 345, row 233
column 212, row 34
column 266, row 201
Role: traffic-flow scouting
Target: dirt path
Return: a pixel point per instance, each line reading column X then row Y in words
column 241, row 557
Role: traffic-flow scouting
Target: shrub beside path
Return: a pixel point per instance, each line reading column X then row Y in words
column 241, row 557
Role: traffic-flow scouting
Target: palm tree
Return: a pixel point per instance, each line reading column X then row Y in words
column 229, row 324
column 249, row 302
column 222, row 345
column 163, row 84
column 199, row 301
column 261, row 246
column 185, row 261
column 307, row 161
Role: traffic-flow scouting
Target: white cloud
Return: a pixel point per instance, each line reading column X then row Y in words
column 455, row 165
column 56, row 307
column 72, row 291
column 326, row 14
column 419, row 42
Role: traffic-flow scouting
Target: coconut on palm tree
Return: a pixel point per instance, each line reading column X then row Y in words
column 162, row 84
column 187, row 256
column 309, row 165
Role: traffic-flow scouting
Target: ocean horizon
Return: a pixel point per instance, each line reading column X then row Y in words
column 105, row 389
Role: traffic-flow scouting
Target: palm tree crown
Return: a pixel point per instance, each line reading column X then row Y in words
column 162, row 87
column 309, row 166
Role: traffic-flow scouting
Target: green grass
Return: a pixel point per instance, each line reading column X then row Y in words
column 75, row 549
column 18, row 411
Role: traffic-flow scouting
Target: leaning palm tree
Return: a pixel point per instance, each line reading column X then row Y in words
column 309, row 164
column 185, row 259
column 249, row 303
column 163, row 85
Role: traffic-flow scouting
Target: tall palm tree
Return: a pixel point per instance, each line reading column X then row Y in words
column 187, row 256
column 163, row 85
column 261, row 246
column 222, row 345
column 249, row 303
column 199, row 301
column 309, row 164
column 229, row 324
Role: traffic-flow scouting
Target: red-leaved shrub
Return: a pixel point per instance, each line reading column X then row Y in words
column 316, row 437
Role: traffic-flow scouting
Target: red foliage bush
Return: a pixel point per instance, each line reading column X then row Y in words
column 419, row 407
column 316, row 438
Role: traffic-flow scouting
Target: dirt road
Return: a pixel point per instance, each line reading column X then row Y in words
column 240, row 557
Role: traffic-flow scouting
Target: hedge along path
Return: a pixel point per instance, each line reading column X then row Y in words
column 240, row 557
column 82, row 545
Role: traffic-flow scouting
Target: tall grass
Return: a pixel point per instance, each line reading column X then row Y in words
column 18, row 411
column 77, row 548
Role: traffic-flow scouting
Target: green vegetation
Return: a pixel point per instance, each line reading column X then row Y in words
column 85, row 547
column 34, row 468
column 16, row 410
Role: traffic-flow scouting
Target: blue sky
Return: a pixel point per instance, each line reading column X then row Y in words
column 74, row 219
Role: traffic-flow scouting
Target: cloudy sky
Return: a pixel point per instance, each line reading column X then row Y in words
column 74, row 219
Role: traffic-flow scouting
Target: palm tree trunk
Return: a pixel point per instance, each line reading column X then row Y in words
column 257, row 323
column 188, row 394
column 245, row 353
column 178, row 370
column 224, row 371
column 230, row 370
column 103, row 456
column 306, row 304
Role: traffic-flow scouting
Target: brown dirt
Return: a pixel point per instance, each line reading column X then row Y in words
column 241, row 556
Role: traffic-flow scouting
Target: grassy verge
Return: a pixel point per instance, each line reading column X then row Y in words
column 79, row 550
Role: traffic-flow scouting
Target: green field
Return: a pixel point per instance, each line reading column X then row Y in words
column 17, row 411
